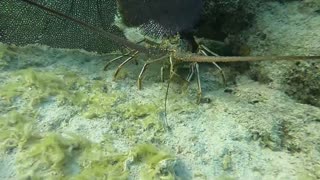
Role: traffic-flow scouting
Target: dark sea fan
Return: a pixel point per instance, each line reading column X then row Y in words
column 23, row 24
column 160, row 17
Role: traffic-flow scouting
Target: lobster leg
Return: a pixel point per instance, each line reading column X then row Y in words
column 115, row 59
column 203, row 50
column 139, row 82
column 123, row 63
column 198, row 82
column 191, row 73
column 194, row 68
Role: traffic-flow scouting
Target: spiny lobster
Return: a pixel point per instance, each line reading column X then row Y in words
column 175, row 56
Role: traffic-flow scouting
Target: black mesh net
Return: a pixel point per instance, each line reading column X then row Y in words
column 23, row 24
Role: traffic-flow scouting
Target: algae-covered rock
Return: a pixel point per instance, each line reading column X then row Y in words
column 280, row 30
column 303, row 82
column 299, row 80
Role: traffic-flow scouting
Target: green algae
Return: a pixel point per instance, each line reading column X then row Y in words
column 36, row 86
column 16, row 130
column 99, row 104
column 69, row 156
column 146, row 115
column 3, row 49
column 5, row 52
column 103, row 162
column 10, row 91
column 53, row 156
column 65, row 87
column 73, row 157
column 156, row 164
column 136, row 111
column 138, row 121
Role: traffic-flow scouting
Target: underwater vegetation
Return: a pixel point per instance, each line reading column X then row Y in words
column 92, row 100
column 36, row 87
column 44, row 154
column 91, row 97
column 2, row 51
column 16, row 130
column 69, row 156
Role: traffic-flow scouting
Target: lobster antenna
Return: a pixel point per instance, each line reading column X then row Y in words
column 187, row 57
